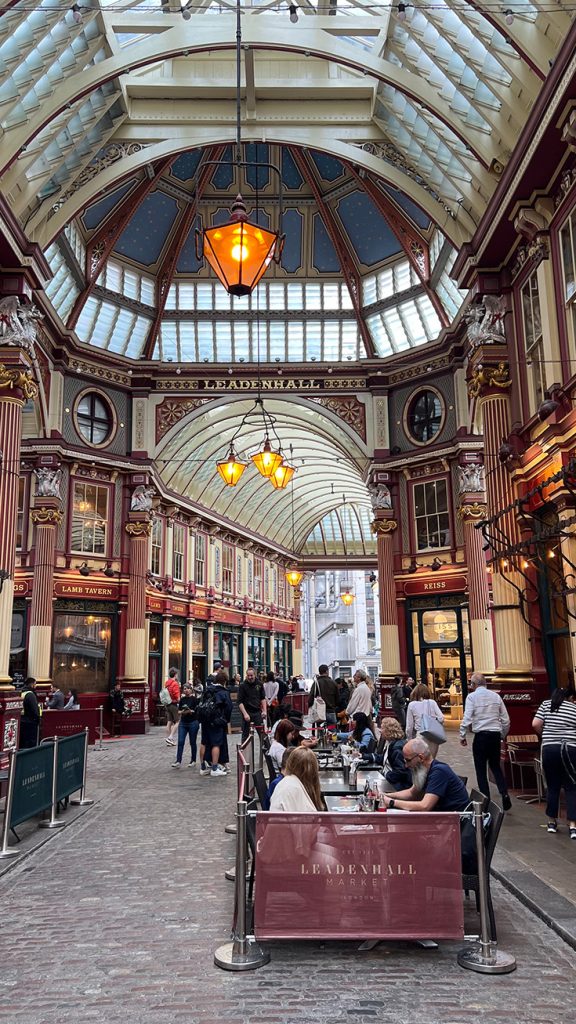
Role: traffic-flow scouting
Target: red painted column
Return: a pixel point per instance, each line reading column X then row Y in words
column 384, row 526
column 46, row 517
column 16, row 387
column 138, row 529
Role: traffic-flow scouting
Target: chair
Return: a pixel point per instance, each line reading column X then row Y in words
column 251, row 839
column 540, row 779
column 464, row 779
column 476, row 797
column 272, row 773
column 261, row 790
column 520, row 761
column 472, row 881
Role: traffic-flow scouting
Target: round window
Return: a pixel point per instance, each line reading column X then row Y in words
column 425, row 416
column 94, row 418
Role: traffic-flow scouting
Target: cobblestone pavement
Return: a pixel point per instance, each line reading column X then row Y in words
column 117, row 918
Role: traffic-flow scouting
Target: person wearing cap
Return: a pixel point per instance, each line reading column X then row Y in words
column 188, row 724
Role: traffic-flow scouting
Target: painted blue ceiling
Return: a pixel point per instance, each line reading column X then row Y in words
column 224, row 175
column 188, row 263
column 258, row 177
column 324, row 256
column 185, row 166
column 145, row 235
column 329, row 168
column 368, row 231
column 416, row 215
column 290, row 174
column 98, row 212
column 292, row 252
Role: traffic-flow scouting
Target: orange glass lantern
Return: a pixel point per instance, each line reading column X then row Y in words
column 231, row 468
column 266, row 460
column 347, row 598
column 282, row 476
column 240, row 252
column 294, row 577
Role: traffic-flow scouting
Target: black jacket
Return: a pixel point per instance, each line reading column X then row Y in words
column 30, row 708
column 187, row 706
column 398, row 775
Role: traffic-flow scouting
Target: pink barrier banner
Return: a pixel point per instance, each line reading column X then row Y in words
column 358, row 876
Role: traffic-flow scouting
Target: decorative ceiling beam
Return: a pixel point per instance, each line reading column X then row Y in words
column 167, row 268
column 351, row 276
column 103, row 241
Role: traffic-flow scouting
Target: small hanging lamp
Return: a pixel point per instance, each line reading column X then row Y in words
column 347, row 598
column 294, row 575
column 231, row 468
column 282, row 476
column 266, row 460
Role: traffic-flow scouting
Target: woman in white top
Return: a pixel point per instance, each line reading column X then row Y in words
column 555, row 722
column 422, row 704
column 283, row 736
column 361, row 699
column 299, row 790
column 271, row 688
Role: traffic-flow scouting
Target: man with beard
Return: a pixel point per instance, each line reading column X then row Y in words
column 435, row 787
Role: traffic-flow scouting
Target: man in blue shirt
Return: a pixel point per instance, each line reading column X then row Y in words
column 435, row 787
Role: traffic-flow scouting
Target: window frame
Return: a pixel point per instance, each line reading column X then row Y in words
column 75, row 515
column 228, row 570
column 414, row 518
column 157, row 566
column 258, row 579
column 535, row 354
column 179, row 554
column 113, row 420
column 568, row 301
column 408, row 408
column 201, row 544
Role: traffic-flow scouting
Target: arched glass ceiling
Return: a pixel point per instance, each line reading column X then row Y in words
column 344, row 531
column 330, row 463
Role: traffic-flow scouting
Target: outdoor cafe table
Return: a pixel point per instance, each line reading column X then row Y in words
column 332, row 782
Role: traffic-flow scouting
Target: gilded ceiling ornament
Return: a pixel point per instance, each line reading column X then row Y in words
column 138, row 529
column 383, row 526
column 19, row 380
column 41, row 516
column 473, row 510
column 489, row 377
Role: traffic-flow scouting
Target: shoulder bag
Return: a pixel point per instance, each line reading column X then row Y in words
column 430, row 728
column 318, row 708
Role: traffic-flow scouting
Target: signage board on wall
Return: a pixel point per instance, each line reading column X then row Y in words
column 98, row 591
column 435, row 585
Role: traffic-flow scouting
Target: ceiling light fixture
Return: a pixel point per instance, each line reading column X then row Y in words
column 186, row 13
column 401, row 12
column 77, row 13
column 509, row 17
column 239, row 251
column 293, row 13
column 347, row 597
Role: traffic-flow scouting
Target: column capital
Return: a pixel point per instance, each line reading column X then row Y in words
column 139, row 528
column 491, row 379
column 19, row 382
column 472, row 510
column 46, row 515
column 383, row 526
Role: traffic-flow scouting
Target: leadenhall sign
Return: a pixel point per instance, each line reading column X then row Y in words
column 441, row 585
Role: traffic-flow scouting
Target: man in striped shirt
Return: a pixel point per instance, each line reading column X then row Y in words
column 486, row 716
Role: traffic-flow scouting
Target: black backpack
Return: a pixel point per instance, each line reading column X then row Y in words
column 210, row 710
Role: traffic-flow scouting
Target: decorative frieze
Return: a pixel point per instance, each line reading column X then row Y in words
column 349, row 410
column 139, row 529
column 18, row 380
column 383, row 526
column 172, row 410
column 486, row 377
column 41, row 516
column 474, row 510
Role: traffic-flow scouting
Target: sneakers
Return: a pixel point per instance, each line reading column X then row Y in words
column 192, row 764
column 217, row 772
column 176, row 764
column 205, row 769
column 171, row 743
column 506, row 802
column 572, row 832
column 552, row 826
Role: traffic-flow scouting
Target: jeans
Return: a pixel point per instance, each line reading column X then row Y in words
column 185, row 729
column 557, row 778
column 486, row 753
column 255, row 720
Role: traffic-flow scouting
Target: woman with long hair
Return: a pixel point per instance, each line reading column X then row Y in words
column 422, row 704
column 299, row 790
column 283, row 738
column 364, row 733
column 555, row 722
column 390, row 755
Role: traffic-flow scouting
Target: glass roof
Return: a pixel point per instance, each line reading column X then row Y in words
column 390, row 128
column 345, row 530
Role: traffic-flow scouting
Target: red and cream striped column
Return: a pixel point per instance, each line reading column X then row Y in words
column 384, row 526
column 135, row 659
column 46, row 516
column 471, row 511
column 16, row 387
column 489, row 382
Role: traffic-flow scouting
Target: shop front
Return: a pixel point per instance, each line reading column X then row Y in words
column 282, row 661
column 17, row 666
column 155, row 657
column 258, row 650
column 227, row 648
column 199, row 642
column 177, row 647
column 84, row 647
column 439, row 647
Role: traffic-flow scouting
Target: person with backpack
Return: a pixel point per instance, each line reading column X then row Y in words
column 169, row 697
column 214, row 711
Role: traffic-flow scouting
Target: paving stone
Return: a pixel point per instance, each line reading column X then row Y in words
column 118, row 920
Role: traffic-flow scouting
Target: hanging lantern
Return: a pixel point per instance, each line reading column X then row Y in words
column 282, row 476
column 240, row 252
column 267, row 461
column 294, row 577
column 231, row 469
column 347, row 598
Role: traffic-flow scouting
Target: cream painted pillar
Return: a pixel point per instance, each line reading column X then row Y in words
column 165, row 646
column 210, row 648
column 470, row 512
column 169, row 549
column 568, row 550
column 138, row 529
column 189, row 649
column 46, row 516
column 244, row 650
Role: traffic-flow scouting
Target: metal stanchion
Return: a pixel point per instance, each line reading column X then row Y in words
column 230, row 875
column 5, row 851
column 82, row 800
column 243, row 953
column 484, row 957
column 100, row 745
column 53, row 822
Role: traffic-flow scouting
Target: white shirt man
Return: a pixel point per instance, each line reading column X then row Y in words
column 361, row 699
column 486, row 716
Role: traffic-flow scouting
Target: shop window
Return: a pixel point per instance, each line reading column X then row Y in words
column 156, row 556
column 155, row 638
column 568, row 249
column 82, row 645
column 20, row 519
column 178, row 551
column 424, row 416
column 431, row 515
column 176, row 650
column 533, row 341
column 281, row 590
column 227, row 568
column 258, row 579
column 94, row 418
column 200, row 560
column 89, row 519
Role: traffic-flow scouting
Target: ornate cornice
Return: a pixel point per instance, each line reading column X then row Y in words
column 139, row 529
column 486, row 377
column 383, row 526
column 43, row 515
column 18, row 380
column 472, row 510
